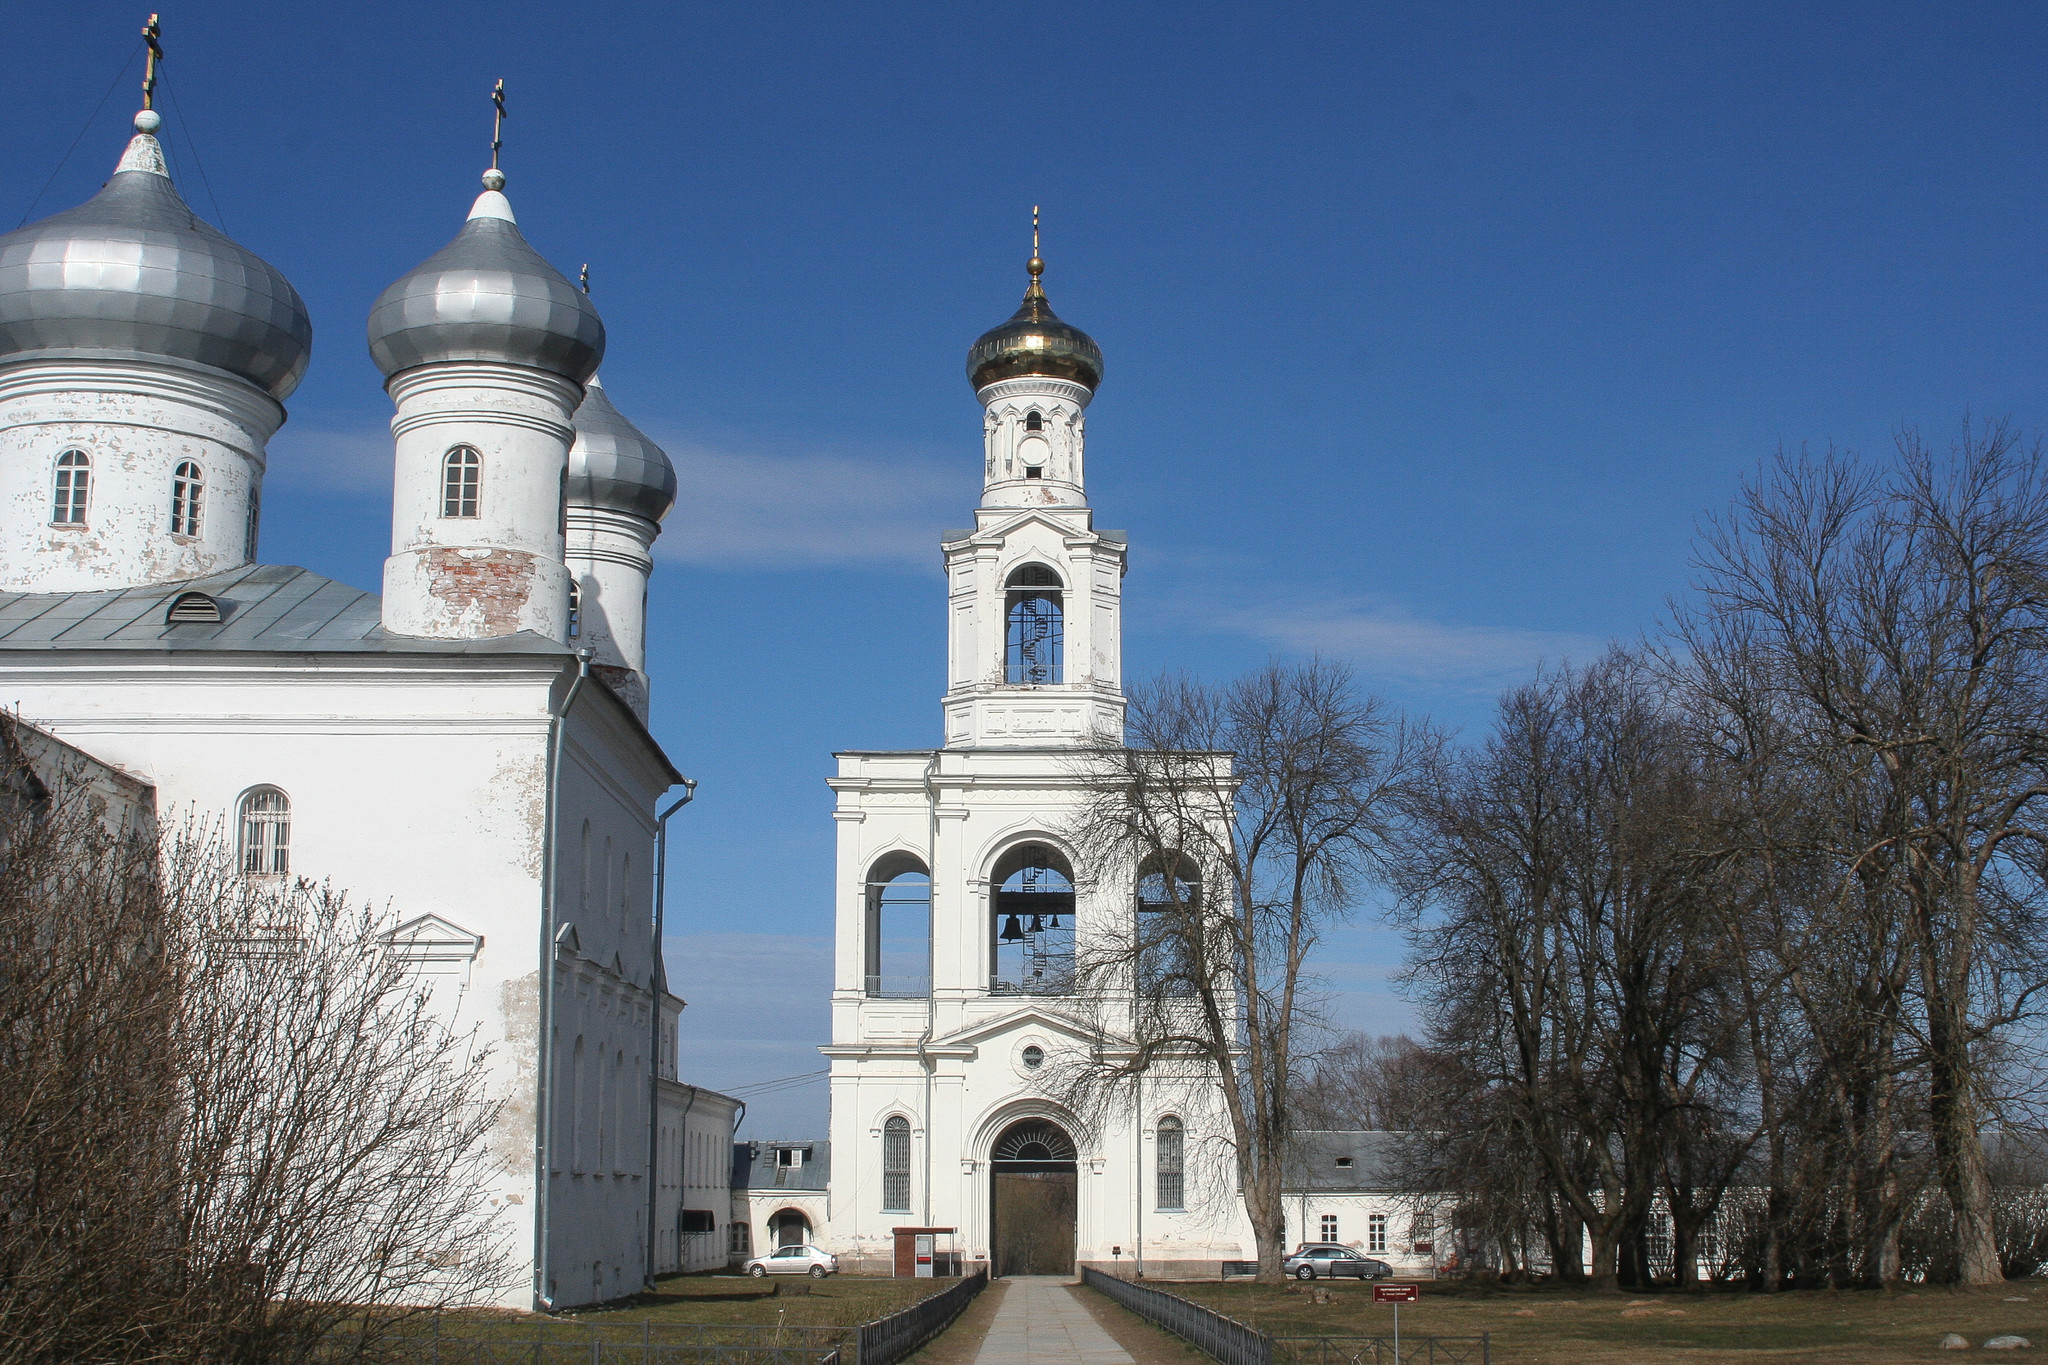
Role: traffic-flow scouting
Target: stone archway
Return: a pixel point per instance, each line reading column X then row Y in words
column 1034, row 1182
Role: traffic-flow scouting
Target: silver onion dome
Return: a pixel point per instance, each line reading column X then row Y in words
column 612, row 464
column 487, row 295
column 133, row 273
column 1035, row 342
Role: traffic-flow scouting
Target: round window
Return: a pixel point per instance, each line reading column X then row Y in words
column 1034, row 1057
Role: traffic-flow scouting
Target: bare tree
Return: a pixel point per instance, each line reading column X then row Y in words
column 234, row 1128
column 1388, row 1084
column 1898, row 620
column 1566, row 950
column 1236, row 822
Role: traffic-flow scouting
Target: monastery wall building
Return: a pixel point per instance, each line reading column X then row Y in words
column 470, row 749
column 944, row 1114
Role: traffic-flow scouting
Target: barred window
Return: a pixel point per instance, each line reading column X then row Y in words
column 188, row 488
column 461, row 472
column 266, row 825
column 74, row 481
column 1172, row 1187
column 896, row 1165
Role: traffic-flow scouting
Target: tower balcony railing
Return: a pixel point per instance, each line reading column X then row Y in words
column 887, row 986
column 1049, row 982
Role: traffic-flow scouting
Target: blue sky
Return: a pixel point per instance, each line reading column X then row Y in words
column 1430, row 330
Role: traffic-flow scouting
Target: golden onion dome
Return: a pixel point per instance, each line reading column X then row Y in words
column 1035, row 342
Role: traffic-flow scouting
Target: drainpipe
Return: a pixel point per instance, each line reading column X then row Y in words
column 550, row 854
column 1138, row 1169
column 654, row 1046
column 931, row 959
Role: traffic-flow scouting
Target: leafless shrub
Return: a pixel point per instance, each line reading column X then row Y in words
column 231, row 1128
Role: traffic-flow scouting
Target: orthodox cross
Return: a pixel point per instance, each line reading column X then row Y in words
column 497, row 121
column 152, row 34
column 584, row 278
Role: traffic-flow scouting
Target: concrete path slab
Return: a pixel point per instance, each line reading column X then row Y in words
column 1042, row 1323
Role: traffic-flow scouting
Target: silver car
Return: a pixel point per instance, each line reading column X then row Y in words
column 1327, row 1259
column 796, row 1260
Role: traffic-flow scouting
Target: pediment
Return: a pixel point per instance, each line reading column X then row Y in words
column 1029, row 516
column 1027, row 1017
column 434, row 938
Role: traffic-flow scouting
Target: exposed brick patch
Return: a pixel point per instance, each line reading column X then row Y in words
column 489, row 592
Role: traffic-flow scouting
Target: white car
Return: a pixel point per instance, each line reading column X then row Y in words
column 796, row 1260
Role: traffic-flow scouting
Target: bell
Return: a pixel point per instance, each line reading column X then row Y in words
column 1053, row 923
column 1037, row 924
column 1012, row 931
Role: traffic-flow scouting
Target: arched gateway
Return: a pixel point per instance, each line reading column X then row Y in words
column 1032, row 1186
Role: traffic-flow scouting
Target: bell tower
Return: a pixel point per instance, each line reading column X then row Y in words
column 1034, row 619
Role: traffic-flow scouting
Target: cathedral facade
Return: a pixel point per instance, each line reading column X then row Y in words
column 469, row 749
column 962, row 901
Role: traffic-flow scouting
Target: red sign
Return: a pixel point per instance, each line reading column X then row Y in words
column 1396, row 1293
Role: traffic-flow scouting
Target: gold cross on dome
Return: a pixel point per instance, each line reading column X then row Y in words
column 152, row 34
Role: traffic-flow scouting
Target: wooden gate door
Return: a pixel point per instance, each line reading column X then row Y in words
column 1033, row 1222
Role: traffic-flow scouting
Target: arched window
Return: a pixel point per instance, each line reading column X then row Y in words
column 575, row 609
column 899, row 927
column 1033, row 923
column 74, row 482
column 1034, row 422
column 188, row 489
column 1036, row 637
column 249, row 533
column 461, row 472
column 266, row 825
column 896, row 1165
column 1172, row 1188
column 1170, row 928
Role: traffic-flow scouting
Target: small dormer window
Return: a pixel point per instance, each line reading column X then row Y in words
column 192, row 606
column 1344, row 1161
column 1034, row 422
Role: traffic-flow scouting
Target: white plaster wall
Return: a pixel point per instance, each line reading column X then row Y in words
column 1407, row 1213
column 418, row 784
column 137, row 422
column 518, row 421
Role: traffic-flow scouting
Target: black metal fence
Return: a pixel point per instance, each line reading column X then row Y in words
column 1235, row 1343
column 1227, row 1339
column 887, row 1340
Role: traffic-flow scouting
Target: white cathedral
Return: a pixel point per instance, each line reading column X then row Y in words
column 471, row 748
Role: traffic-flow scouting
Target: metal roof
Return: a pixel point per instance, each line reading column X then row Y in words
column 1373, row 1161
column 262, row 607
column 755, row 1167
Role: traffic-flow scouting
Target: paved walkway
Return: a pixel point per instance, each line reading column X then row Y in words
column 1042, row 1323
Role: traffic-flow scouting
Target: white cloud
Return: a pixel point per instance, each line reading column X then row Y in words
column 1388, row 641
column 330, row 459
column 781, row 511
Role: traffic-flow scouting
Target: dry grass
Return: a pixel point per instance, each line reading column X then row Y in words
column 1563, row 1327
column 775, row 1301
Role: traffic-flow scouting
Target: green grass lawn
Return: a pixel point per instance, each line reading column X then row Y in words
column 1560, row 1326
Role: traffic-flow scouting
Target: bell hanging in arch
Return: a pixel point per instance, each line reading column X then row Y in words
column 1012, row 930
column 1037, row 924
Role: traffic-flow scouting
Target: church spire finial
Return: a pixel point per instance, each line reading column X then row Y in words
column 152, row 34
column 494, row 179
column 583, row 279
column 1036, row 265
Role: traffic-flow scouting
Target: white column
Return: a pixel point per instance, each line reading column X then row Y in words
column 501, row 571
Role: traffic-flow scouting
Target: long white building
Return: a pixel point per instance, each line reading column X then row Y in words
column 471, row 748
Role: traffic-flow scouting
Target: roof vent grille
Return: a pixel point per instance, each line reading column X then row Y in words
column 192, row 606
